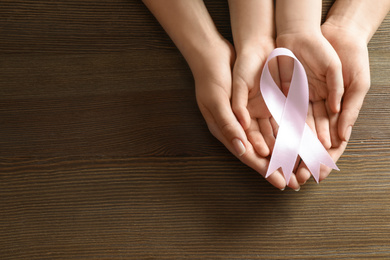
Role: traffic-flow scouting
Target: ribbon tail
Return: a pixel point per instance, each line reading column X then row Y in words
column 274, row 166
column 314, row 154
column 284, row 154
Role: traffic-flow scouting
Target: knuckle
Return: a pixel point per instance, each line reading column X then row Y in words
column 228, row 130
column 238, row 110
column 352, row 114
column 239, row 82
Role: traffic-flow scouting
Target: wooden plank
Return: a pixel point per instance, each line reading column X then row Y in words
column 190, row 208
column 104, row 154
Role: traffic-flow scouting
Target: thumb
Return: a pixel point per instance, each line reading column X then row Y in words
column 335, row 85
column 225, row 127
column 352, row 103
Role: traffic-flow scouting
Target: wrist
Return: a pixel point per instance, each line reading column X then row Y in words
column 298, row 39
column 299, row 16
column 301, row 26
column 252, row 24
column 361, row 17
column 197, row 44
column 260, row 46
column 206, row 58
column 349, row 26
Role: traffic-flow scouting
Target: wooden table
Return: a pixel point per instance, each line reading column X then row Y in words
column 105, row 155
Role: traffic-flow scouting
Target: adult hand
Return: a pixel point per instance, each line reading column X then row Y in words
column 349, row 27
column 353, row 53
column 213, row 82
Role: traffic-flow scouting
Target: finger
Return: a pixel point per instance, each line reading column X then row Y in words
column 260, row 164
column 276, row 179
column 224, row 125
column 352, row 103
column 335, row 153
column 256, row 138
column 293, row 183
column 240, row 101
column 257, row 107
column 275, row 126
column 269, row 128
column 251, row 159
column 267, row 132
column 333, row 126
column 297, row 162
column 310, row 118
column 286, row 66
column 322, row 123
column 335, row 85
column 303, row 173
column 273, row 67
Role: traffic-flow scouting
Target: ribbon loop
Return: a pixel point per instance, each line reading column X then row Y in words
column 294, row 135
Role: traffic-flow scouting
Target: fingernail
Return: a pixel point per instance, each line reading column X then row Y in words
column 283, row 189
column 348, row 133
column 298, row 189
column 239, row 146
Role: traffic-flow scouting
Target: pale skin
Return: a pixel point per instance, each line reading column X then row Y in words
column 247, row 103
column 298, row 26
column 253, row 31
column 211, row 59
column 226, row 78
column 349, row 27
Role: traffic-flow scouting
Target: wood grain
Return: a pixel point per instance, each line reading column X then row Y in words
column 104, row 154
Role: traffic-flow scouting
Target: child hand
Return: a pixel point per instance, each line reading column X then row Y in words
column 323, row 69
column 324, row 73
column 353, row 53
column 248, row 104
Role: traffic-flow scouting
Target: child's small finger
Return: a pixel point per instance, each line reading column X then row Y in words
column 321, row 120
column 240, row 102
column 267, row 132
column 310, row 118
column 302, row 174
column 257, row 140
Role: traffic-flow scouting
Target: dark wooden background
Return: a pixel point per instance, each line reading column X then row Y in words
column 104, row 154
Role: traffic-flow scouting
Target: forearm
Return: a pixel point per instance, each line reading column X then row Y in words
column 297, row 16
column 360, row 16
column 189, row 25
column 252, row 23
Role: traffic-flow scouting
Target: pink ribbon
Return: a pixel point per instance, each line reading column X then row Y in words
column 294, row 136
